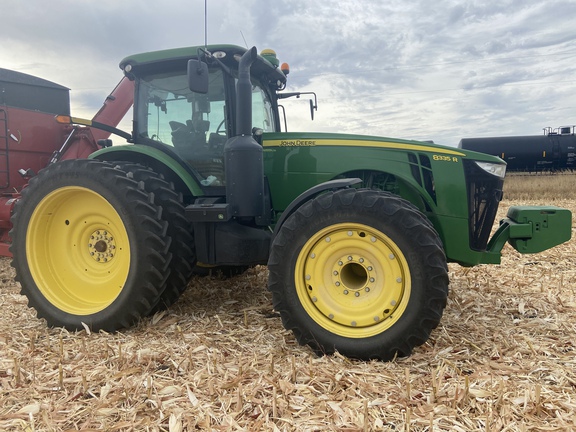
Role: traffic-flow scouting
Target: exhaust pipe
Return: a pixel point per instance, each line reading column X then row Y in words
column 244, row 94
column 243, row 161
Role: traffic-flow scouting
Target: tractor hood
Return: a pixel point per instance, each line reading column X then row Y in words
column 306, row 139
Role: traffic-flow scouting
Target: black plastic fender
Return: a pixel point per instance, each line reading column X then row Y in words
column 311, row 193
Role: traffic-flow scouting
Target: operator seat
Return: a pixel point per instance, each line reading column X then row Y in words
column 189, row 139
column 200, row 125
column 182, row 139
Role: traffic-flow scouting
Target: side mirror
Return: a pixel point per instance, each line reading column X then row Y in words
column 313, row 107
column 198, row 76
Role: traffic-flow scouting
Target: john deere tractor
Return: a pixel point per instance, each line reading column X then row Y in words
column 356, row 230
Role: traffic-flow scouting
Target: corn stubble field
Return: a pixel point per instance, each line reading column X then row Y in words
column 502, row 359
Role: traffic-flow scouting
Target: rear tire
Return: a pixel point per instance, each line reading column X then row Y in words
column 179, row 229
column 89, row 246
column 360, row 272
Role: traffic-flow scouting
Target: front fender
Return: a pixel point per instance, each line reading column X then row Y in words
column 152, row 157
column 312, row 193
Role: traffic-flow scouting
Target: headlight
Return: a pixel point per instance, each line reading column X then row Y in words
column 498, row 170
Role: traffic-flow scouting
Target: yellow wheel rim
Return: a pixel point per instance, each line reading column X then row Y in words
column 352, row 280
column 78, row 250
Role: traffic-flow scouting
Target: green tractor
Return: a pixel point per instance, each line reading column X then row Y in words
column 356, row 231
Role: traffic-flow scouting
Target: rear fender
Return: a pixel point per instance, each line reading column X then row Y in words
column 156, row 159
column 312, row 193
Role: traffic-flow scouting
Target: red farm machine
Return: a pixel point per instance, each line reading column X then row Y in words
column 31, row 137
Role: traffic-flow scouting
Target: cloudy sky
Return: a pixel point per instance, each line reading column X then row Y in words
column 441, row 70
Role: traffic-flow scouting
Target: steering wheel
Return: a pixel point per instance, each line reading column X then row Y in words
column 218, row 129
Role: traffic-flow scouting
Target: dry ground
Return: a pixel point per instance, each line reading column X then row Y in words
column 503, row 359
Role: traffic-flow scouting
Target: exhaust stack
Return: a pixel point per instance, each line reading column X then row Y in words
column 244, row 166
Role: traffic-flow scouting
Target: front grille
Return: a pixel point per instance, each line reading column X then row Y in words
column 484, row 195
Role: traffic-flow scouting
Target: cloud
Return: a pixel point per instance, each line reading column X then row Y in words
column 429, row 70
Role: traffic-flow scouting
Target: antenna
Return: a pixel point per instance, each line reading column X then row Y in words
column 205, row 23
column 245, row 43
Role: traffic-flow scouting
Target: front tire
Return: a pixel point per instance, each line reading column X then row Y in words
column 361, row 272
column 89, row 246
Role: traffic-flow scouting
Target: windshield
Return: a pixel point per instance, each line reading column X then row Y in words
column 195, row 125
column 168, row 106
column 262, row 115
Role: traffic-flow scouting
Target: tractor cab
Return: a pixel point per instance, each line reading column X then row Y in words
column 195, row 126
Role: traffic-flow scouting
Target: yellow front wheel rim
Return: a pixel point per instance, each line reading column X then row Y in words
column 78, row 250
column 352, row 280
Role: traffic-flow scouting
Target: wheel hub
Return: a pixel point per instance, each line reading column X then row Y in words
column 354, row 275
column 101, row 246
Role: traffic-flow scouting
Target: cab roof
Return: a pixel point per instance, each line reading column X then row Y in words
column 177, row 58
